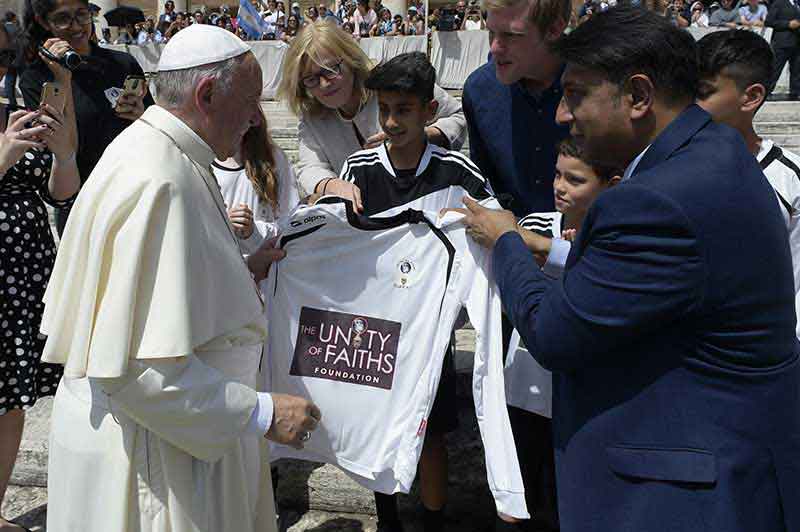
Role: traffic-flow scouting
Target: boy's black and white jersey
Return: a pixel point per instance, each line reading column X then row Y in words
column 528, row 385
column 439, row 176
column 782, row 169
column 360, row 315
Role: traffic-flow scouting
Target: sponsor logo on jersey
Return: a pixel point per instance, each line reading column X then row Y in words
column 360, row 350
column 308, row 220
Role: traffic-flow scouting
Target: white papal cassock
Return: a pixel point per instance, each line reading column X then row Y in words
column 157, row 320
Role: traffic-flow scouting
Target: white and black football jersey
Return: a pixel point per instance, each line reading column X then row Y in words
column 361, row 310
column 439, row 181
column 782, row 169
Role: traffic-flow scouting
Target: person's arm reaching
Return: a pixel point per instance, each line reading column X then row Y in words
column 201, row 411
column 313, row 164
column 637, row 269
column 450, row 122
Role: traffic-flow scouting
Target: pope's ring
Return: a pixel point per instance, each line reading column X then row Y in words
column 306, row 436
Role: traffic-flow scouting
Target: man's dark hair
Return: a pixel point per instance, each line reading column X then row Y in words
column 409, row 73
column 569, row 148
column 744, row 55
column 624, row 41
column 10, row 16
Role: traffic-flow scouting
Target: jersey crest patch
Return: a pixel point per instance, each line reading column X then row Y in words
column 405, row 274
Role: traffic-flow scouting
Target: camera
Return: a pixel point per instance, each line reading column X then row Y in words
column 71, row 59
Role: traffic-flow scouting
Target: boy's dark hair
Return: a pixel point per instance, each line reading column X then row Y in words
column 409, row 73
column 569, row 148
column 625, row 40
column 745, row 56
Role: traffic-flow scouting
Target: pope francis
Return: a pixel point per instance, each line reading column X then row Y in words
column 156, row 317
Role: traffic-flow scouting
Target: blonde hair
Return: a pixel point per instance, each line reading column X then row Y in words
column 541, row 13
column 317, row 37
column 258, row 155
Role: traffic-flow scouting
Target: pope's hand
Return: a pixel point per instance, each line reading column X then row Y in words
column 484, row 225
column 260, row 261
column 293, row 420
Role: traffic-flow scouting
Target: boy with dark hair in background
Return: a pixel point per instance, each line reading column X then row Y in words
column 576, row 185
column 735, row 73
column 406, row 171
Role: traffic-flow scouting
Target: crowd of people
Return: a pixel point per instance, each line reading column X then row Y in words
column 627, row 171
column 357, row 17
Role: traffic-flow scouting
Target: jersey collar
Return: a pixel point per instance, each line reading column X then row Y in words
column 383, row 154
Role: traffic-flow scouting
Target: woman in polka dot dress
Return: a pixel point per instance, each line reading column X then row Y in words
column 37, row 162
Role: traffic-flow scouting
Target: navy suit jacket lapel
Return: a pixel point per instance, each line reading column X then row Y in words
column 675, row 135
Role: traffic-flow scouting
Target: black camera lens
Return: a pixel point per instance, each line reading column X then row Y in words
column 71, row 59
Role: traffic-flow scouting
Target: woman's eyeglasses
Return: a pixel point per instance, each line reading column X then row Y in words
column 62, row 21
column 7, row 57
column 330, row 73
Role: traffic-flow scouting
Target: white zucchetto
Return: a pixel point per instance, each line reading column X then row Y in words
column 200, row 44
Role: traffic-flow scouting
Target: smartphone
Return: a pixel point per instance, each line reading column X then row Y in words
column 134, row 85
column 53, row 95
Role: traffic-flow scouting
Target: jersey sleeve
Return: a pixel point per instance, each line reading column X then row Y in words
column 538, row 222
column 472, row 179
column 482, row 301
column 347, row 172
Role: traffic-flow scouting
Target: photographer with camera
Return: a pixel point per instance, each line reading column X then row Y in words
column 473, row 20
column 149, row 33
column 102, row 110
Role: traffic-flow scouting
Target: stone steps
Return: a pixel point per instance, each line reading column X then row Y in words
column 779, row 112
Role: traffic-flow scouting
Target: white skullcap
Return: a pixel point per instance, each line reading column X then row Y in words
column 200, row 44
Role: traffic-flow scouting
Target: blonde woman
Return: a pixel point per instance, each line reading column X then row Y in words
column 258, row 186
column 323, row 83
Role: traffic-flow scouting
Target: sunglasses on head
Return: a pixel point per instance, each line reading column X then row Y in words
column 7, row 57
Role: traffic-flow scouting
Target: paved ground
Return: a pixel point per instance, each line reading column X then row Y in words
column 28, row 507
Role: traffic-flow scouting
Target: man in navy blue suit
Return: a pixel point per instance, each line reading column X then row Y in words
column 676, row 403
